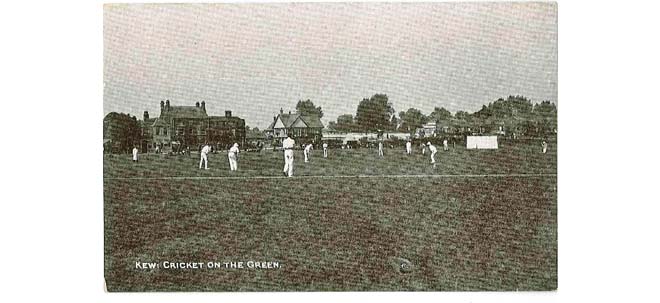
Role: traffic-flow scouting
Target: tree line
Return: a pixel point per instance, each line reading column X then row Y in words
column 515, row 114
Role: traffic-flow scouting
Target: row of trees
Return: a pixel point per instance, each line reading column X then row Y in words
column 515, row 114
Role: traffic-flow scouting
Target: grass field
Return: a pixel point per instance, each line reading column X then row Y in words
column 479, row 220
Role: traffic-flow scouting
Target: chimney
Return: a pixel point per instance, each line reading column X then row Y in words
column 203, row 106
column 227, row 113
column 162, row 106
column 281, row 111
column 274, row 118
column 196, row 104
column 167, row 105
column 146, row 115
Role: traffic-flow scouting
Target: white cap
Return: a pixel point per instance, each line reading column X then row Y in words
column 428, row 143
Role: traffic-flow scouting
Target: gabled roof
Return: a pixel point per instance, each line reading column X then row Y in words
column 290, row 119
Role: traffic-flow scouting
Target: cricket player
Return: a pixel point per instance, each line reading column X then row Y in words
column 204, row 156
column 233, row 157
column 380, row 148
column 288, row 145
column 325, row 150
column 433, row 150
column 135, row 154
column 307, row 151
column 423, row 148
column 445, row 144
column 408, row 148
column 544, row 146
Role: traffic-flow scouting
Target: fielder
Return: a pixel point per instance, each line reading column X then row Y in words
column 233, row 157
column 135, row 154
column 288, row 145
column 445, row 145
column 380, row 148
column 544, row 146
column 408, row 148
column 433, row 150
column 325, row 150
column 307, row 151
column 204, row 156
column 423, row 148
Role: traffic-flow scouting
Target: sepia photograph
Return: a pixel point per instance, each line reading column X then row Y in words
column 330, row 147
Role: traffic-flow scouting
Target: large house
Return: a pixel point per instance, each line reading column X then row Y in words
column 190, row 126
column 302, row 127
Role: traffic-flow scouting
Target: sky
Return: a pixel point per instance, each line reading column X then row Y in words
column 254, row 59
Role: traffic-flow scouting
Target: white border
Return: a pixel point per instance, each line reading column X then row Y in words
column 51, row 201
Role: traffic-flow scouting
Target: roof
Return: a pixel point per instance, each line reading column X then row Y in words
column 185, row 112
column 289, row 119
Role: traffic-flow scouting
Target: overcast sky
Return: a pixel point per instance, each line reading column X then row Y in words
column 254, row 59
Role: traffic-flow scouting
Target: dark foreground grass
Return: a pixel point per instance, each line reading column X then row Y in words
column 350, row 233
column 340, row 234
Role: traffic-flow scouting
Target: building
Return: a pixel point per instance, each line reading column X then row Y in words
column 303, row 127
column 179, row 127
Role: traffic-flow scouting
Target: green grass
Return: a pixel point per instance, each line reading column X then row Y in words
column 479, row 233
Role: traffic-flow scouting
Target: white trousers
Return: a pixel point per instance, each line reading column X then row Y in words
column 306, row 156
column 288, row 162
column 408, row 150
column 433, row 157
column 233, row 162
column 325, row 153
column 380, row 152
column 204, row 160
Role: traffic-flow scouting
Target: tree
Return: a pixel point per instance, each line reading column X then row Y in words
column 440, row 114
column 345, row 123
column 412, row 119
column 123, row 130
column 307, row 107
column 462, row 116
column 374, row 113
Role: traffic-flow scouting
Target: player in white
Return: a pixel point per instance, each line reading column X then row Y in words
column 433, row 150
column 288, row 145
column 308, row 151
column 233, row 157
column 408, row 147
column 135, row 154
column 380, row 148
column 325, row 150
column 423, row 148
column 445, row 144
column 204, row 156
column 544, row 146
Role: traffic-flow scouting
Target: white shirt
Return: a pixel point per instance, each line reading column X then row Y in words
column 408, row 145
column 135, row 152
column 288, row 143
column 206, row 149
column 233, row 150
column 444, row 143
column 325, row 145
column 432, row 148
column 308, row 147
